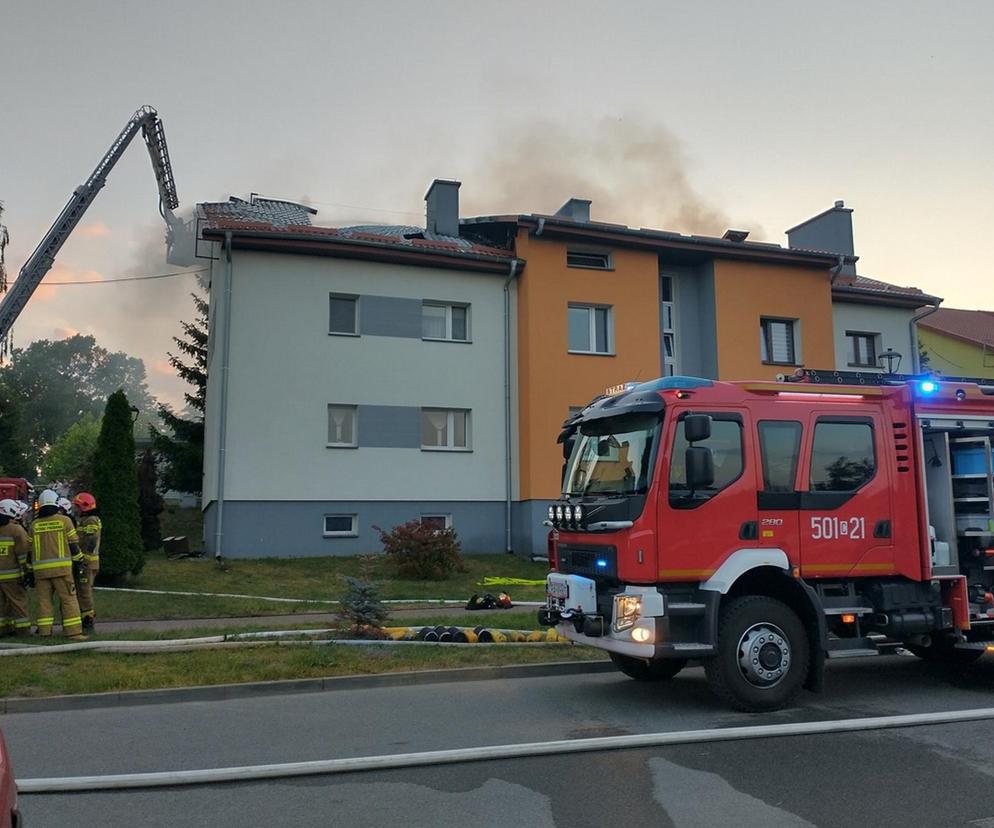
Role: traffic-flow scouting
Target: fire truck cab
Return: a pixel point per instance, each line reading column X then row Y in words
column 763, row 527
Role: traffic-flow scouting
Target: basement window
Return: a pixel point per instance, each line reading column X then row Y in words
column 341, row 526
column 588, row 259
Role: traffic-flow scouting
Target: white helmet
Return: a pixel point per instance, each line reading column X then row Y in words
column 65, row 503
column 9, row 508
column 22, row 507
column 48, row 498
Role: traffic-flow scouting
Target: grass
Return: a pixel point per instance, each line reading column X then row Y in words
column 73, row 673
column 316, row 578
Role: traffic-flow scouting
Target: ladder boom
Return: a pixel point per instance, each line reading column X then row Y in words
column 41, row 260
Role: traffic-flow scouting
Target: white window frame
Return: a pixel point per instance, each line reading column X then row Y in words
column 450, row 430
column 353, row 532
column 355, row 426
column 446, row 518
column 592, row 327
column 448, row 321
column 607, row 255
column 355, row 316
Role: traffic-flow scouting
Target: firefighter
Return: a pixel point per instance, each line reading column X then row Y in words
column 14, row 548
column 55, row 554
column 65, row 508
column 88, row 528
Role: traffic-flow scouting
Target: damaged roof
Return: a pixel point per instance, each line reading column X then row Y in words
column 266, row 224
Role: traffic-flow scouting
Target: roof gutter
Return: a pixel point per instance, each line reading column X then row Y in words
column 508, row 464
column 913, row 325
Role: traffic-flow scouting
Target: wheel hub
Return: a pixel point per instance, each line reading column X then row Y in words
column 764, row 655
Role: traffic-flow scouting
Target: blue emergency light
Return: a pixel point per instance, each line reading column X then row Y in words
column 928, row 386
column 601, row 563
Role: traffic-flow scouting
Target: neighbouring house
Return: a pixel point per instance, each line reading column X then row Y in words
column 873, row 321
column 959, row 343
column 356, row 379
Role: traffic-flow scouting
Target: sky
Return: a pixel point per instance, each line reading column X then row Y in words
column 690, row 117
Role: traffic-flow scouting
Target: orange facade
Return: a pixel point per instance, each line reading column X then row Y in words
column 550, row 379
column 746, row 291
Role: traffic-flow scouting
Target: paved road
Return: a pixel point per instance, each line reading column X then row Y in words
column 937, row 776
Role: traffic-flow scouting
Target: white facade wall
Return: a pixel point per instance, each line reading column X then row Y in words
column 890, row 324
column 285, row 369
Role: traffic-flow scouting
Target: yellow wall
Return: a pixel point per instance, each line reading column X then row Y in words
column 550, row 379
column 746, row 291
column 954, row 357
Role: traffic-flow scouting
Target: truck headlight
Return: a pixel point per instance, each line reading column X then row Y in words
column 559, row 512
column 568, row 513
column 578, row 513
column 627, row 609
column 552, row 512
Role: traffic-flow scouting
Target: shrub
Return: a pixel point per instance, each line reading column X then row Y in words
column 360, row 609
column 420, row 552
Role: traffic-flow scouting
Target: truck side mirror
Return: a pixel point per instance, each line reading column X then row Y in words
column 697, row 427
column 568, row 444
column 700, row 468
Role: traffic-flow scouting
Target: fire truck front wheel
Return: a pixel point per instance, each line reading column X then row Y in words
column 641, row 670
column 761, row 659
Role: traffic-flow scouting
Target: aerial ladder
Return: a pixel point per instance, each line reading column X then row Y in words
column 145, row 120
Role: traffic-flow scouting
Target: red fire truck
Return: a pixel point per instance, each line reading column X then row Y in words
column 763, row 527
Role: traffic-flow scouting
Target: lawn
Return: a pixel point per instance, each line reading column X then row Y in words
column 315, row 578
column 73, row 673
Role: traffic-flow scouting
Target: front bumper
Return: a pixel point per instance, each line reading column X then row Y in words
column 677, row 626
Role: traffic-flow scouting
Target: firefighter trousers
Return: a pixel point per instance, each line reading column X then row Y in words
column 65, row 588
column 84, row 590
column 14, row 608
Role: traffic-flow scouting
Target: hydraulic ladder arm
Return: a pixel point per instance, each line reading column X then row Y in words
column 40, row 262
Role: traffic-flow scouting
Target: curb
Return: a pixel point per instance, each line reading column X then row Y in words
column 223, row 692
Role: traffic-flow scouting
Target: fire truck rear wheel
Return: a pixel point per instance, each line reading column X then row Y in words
column 762, row 653
column 642, row 670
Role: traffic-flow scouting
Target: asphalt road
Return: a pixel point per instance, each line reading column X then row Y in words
column 925, row 776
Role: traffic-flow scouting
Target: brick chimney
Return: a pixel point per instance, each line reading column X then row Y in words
column 442, row 207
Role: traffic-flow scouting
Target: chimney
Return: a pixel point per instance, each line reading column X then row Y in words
column 830, row 231
column 442, row 207
column 576, row 209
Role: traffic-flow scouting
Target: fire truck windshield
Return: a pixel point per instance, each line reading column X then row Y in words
column 613, row 456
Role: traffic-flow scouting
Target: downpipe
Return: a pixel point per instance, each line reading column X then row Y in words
column 508, row 465
column 223, row 406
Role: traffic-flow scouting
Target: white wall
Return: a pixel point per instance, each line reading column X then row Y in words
column 285, row 369
column 890, row 323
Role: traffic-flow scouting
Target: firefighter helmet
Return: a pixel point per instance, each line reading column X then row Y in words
column 64, row 504
column 48, row 498
column 85, row 502
column 8, row 508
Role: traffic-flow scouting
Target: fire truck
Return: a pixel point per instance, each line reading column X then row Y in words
column 764, row 527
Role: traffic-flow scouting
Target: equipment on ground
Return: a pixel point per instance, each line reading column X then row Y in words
column 763, row 527
column 146, row 121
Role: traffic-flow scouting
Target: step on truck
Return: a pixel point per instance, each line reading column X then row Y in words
column 764, row 527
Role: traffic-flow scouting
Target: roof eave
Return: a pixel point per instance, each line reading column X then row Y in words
column 879, row 297
column 306, row 244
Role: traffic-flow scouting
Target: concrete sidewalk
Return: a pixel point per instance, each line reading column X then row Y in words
column 275, row 622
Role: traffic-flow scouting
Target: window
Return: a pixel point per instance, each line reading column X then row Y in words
column 725, row 443
column 443, row 428
column 437, row 522
column 776, row 341
column 341, row 526
column 842, row 456
column 613, row 456
column 780, row 448
column 861, row 349
column 585, row 258
column 344, row 316
column 590, row 329
column 342, row 426
column 669, row 326
column 441, row 321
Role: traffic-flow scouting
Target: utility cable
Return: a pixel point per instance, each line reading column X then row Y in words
column 128, row 278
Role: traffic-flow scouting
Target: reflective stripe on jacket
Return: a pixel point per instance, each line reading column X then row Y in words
column 14, row 547
column 89, row 537
column 52, row 538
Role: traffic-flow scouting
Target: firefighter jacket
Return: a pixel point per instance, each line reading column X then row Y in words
column 55, row 545
column 14, row 548
column 89, row 539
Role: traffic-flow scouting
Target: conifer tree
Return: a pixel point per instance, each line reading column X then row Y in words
column 115, row 486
